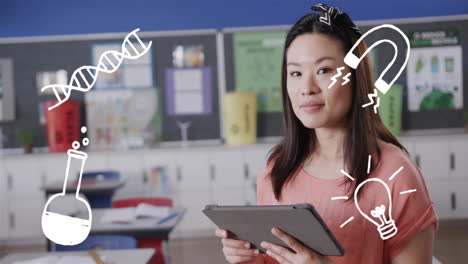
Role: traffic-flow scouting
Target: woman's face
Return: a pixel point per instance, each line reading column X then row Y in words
column 312, row 59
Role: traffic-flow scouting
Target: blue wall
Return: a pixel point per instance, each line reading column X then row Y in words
column 58, row 17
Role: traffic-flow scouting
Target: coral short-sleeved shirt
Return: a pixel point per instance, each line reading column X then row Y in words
column 411, row 211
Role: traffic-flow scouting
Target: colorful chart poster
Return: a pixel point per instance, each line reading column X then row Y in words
column 434, row 71
column 257, row 66
column 123, row 119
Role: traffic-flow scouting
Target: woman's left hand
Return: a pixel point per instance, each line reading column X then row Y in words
column 302, row 254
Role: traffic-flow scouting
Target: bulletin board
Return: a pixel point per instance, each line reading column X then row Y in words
column 264, row 65
column 49, row 54
column 270, row 123
column 419, row 118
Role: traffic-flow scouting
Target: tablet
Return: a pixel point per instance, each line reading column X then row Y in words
column 254, row 224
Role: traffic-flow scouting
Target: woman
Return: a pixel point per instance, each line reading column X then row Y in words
column 326, row 130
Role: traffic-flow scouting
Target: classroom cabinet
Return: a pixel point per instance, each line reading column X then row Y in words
column 450, row 199
column 205, row 175
column 432, row 156
column 97, row 161
column 226, row 168
column 151, row 161
column 52, row 168
column 441, row 195
column 194, row 221
column 229, row 196
column 131, row 167
column 3, row 204
column 459, row 159
column 459, row 200
column 25, row 217
column 22, row 176
column 25, row 199
column 193, row 171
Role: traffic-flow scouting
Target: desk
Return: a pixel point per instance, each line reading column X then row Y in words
column 124, row 256
column 142, row 227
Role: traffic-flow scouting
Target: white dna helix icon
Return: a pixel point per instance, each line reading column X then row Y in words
column 85, row 77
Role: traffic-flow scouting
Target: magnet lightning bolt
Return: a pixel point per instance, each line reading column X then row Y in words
column 346, row 78
column 371, row 95
column 333, row 78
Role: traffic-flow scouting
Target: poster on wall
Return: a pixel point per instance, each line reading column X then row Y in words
column 123, row 119
column 132, row 73
column 7, row 94
column 257, row 66
column 434, row 71
column 189, row 91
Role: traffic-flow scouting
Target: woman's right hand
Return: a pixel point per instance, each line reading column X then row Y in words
column 236, row 251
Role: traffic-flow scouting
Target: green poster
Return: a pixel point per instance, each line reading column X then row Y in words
column 257, row 59
column 435, row 71
column 390, row 108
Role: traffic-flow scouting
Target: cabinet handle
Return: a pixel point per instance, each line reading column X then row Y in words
column 454, row 201
column 246, row 171
column 452, row 161
column 10, row 181
column 12, row 221
column 212, row 172
column 145, row 176
column 417, row 160
column 178, row 174
column 43, row 179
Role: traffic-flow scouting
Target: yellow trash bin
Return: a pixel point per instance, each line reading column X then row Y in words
column 240, row 118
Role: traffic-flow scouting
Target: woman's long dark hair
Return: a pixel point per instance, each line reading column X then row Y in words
column 364, row 127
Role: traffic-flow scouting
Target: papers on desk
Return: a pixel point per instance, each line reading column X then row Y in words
column 131, row 214
column 59, row 260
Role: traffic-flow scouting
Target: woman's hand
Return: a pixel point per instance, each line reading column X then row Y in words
column 302, row 254
column 236, row 251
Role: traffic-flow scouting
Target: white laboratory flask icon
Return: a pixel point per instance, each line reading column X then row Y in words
column 63, row 229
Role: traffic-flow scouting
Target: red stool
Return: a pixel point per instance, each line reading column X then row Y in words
column 156, row 243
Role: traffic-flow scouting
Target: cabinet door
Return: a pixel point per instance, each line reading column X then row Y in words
column 23, row 176
column 3, row 203
column 250, row 194
column 459, row 159
column 460, row 199
column 227, row 168
column 53, row 166
column 25, row 217
column 157, row 158
column 97, row 161
column 256, row 160
column 194, row 221
column 192, row 170
column 433, row 159
column 229, row 196
column 442, row 195
column 130, row 166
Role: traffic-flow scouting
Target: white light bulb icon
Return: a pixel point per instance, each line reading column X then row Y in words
column 385, row 225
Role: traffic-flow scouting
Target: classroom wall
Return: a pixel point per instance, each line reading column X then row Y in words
column 58, row 17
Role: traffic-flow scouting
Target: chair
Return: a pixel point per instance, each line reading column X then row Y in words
column 162, row 249
column 101, row 241
column 99, row 200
